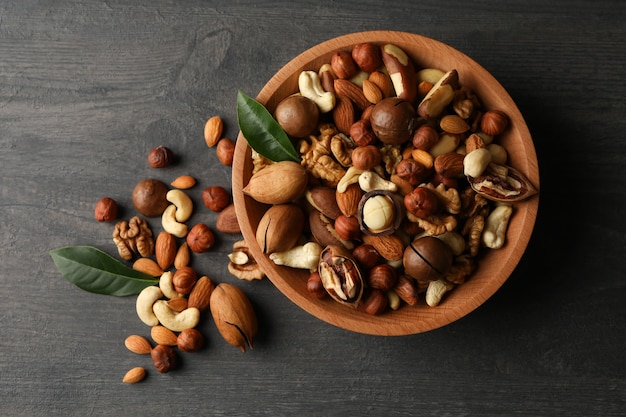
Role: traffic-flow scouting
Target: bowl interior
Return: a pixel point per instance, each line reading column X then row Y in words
column 495, row 266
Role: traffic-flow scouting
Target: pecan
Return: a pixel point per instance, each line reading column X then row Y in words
column 133, row 237
column 502, row 183
column 340, row 275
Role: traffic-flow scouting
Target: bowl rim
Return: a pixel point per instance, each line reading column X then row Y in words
column 400, row 322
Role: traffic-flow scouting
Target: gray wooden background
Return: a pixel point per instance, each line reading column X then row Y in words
column 87, row 88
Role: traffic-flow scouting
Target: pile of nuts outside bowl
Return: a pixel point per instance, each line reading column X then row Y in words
column 401, row 186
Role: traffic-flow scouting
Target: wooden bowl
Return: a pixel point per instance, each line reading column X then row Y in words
column 495, row 266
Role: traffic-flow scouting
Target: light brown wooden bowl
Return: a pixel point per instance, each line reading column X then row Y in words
column 494, row 267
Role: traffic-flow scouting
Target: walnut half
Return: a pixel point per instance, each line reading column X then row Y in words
column 133, row 237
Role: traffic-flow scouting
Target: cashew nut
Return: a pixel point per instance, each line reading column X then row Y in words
column 494, row 233
column 306, row 256
column 169, row 223
column 393, row 299
column 311, row 87
column 436, row 290
column 184, row 205
column 454, row 240
column 370, row 180
column 145, row 300
column 173, row 320
column 476, row 162
column 350, row 177
column 166, row 286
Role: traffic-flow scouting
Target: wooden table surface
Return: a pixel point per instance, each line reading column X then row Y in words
column 88, row 88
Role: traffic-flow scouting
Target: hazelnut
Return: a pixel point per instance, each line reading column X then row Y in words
column 393, row 121
column 106, row 210
column 407, row 290
column 215, row 198
column 190, row 340
column 314, row 285
column 160, row 157
column 225, row 151
column 297, row 115
column 494, row 122
column 366, row 256
column 425, row 137
column 367, row 56
column 149, row 197
column 421, row 202
column 412, row 171
column 374, row 302
column 347, row 227
column 361, row 132
column 200, row 238
column 366, row 157
column 382, row 277
column 427, row 258
column 164, row 358
column 343, row 65
column 184, row 279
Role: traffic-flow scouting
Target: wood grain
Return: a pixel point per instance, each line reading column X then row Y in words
column 88, row 88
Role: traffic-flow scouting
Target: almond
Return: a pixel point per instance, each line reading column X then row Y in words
column 389, row 247
column 201, row 293
column 371, row 92
column 383, row 82
column 134, row 375
column 351, row 91
column 348, row 201
column 184, row 182
column 138, row 344
column 343, row 114
column 177, row 304
column 148, row 266
column 213, row 130
column 227, row 220
column 165, row 250
column 163, row 336
column 449, row 165
column 453, row 124
column 182, row 256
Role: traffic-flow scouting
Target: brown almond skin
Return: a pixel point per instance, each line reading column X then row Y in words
column 233, row 315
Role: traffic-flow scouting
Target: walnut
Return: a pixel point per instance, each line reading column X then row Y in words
column 471, row 203
column 449, row 197
column 259, row 162
column 473, row 230
column 461, row 268
column 391, row 156
column 434, row 225
column 316, row 157
column 133, row 237
column 342, row 146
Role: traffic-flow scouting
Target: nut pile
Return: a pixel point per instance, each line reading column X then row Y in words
column 173, row 308
column 402, row 182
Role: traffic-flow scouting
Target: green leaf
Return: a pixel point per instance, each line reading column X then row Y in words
column 263, row 132
column 95, row 271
